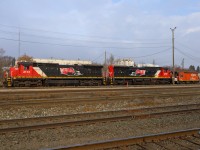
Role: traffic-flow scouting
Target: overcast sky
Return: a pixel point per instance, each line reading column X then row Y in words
column 85, row 29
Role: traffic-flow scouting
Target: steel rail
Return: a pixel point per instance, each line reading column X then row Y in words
column 83, row 116
column 81, row 89
column 88, row 100
column 9, row 97
column 94, row 121
column 129, row 141
column 106, row 94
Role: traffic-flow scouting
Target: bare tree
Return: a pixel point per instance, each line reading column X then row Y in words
column 2, row 51
column 154, row 62
column 198, row 69
column 5, row 61
column 1, row 60
column 191, row 68
column 25, row 58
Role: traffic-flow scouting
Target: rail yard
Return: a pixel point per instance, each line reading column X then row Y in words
column 99, row 75
column 111, row 118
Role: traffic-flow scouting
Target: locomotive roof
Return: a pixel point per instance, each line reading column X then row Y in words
column 134, row 67
column 25, row 63
column 55, row 64
column 187, row 71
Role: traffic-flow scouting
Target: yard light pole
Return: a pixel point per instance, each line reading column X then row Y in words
column 173, row 76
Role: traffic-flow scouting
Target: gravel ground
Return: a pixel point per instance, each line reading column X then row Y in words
column 16, row 112
column 45, row 138
column 96, row 132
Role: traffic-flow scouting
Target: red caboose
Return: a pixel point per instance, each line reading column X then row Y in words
column 187, row 77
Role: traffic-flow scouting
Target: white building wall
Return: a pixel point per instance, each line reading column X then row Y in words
column 62, row 62
column 147, row 65
column 124, row 62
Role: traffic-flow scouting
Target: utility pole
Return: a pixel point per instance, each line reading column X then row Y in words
column 105, row 58
column 19, row 38
column 154, row 62
column 105, row 71
column 173, row 76
column 182, row 63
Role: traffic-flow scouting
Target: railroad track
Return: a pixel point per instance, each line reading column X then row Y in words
column 89, row 98
column 26, row 137
column 19, row 94
column 96, row 115
column 184, row 139
column 52, row 131
column 95, row 121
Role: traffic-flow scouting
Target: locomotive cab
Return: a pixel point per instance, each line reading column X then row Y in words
column 24, row 69
column 23, row 74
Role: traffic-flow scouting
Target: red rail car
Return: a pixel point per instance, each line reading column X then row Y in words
column 187, row 77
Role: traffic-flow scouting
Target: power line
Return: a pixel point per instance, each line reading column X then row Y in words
column 47, row 31
column 74, row 34
column 152, row 54
column 185, row 46
column 9, row 32
column 146, row 55
column 119, row 42
column 70, row 45
column 57, row 38
column 98, row 57
column 187, row 54
column 194, row 58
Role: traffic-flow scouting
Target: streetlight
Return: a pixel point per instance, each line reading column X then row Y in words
column 173, row 76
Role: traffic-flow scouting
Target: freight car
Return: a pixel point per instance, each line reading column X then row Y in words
column 51, row 74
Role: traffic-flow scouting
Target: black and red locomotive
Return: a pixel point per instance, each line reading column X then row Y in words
column 26, row 74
